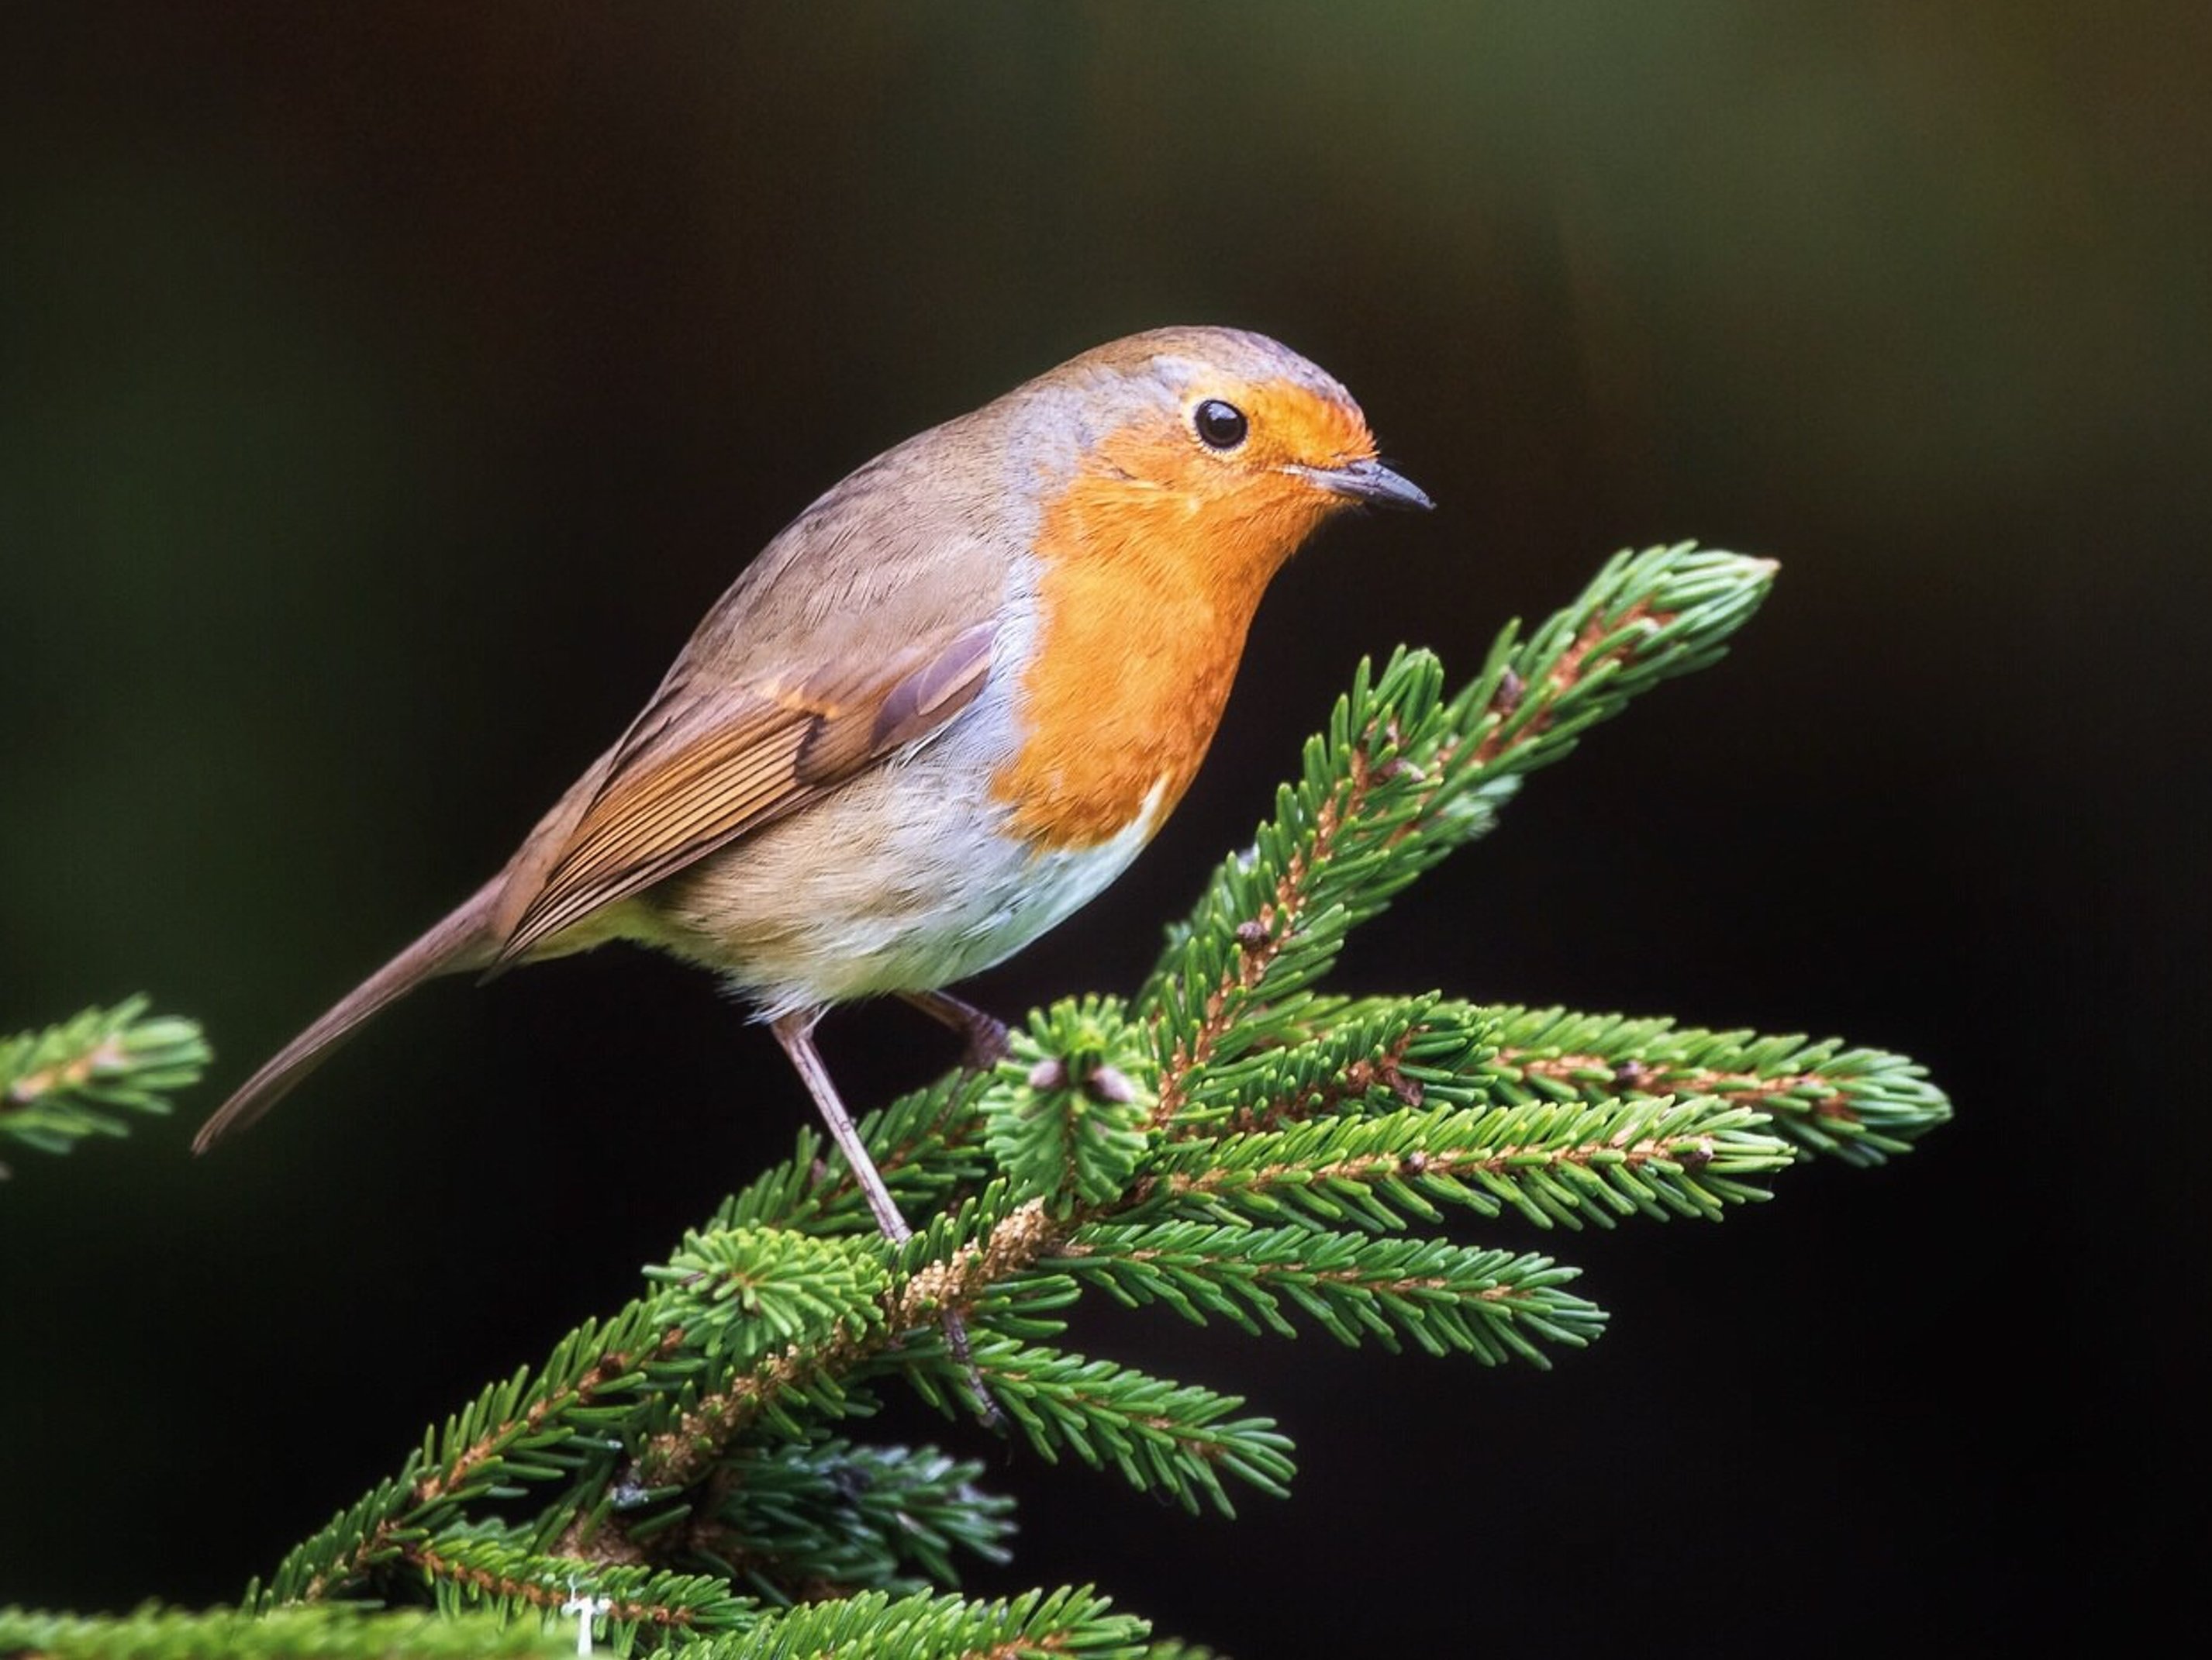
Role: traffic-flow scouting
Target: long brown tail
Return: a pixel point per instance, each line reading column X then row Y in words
column 462, row 941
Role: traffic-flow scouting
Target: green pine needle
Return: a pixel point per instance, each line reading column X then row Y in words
column 305, row 1633
column 1856, row 1105
column 1403, row 775
column 1490, row 1304
column 468, row 1574
column 1550, row 1162
column 1068, row 1116
column 832, row 1513
column 1235, row 1144
column 1171, row 1439
column 1035, row 1625
column 76, row 1080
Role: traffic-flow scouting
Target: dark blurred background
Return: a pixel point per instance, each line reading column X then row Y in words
column 385, row 391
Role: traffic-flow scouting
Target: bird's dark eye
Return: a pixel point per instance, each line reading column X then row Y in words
column 1220, row 426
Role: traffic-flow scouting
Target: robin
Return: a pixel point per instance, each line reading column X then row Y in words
column 945, row 707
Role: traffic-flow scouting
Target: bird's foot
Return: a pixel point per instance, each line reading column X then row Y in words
column 983, row 1036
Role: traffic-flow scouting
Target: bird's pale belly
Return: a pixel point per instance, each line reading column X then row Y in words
column 906, row 879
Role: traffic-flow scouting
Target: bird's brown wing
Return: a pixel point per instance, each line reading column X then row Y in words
column 711, row 759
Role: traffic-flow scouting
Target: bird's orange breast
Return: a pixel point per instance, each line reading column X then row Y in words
column 1145, row 593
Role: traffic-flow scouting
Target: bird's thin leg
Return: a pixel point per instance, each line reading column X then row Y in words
column 983, row 1035
column 795, row 1032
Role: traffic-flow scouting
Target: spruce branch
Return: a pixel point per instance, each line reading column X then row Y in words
column 364, row 1538
column 1332, row 1054
column 295, row 1633
column 72, row 1081
column 1235, row 1142
column 1035, row 1625
column 646, row 1400
column 836, row 1513
column 1070, row 1122
column 1548, row 1163
column 1403, row 775
column 1163, row 1437
column 1445, row 1296
column 738, row 1293
column 1860, row 1105
column 493, row 1575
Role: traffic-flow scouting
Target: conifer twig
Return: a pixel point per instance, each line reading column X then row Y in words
column 1859, row 1106
column 295, row 1633
column 1233, row 1143
column 72, row 1081
column 1403, row 775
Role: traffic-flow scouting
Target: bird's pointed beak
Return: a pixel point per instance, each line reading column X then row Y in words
column 1370, row 482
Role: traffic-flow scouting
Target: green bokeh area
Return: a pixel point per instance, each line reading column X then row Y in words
column 385, row 390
